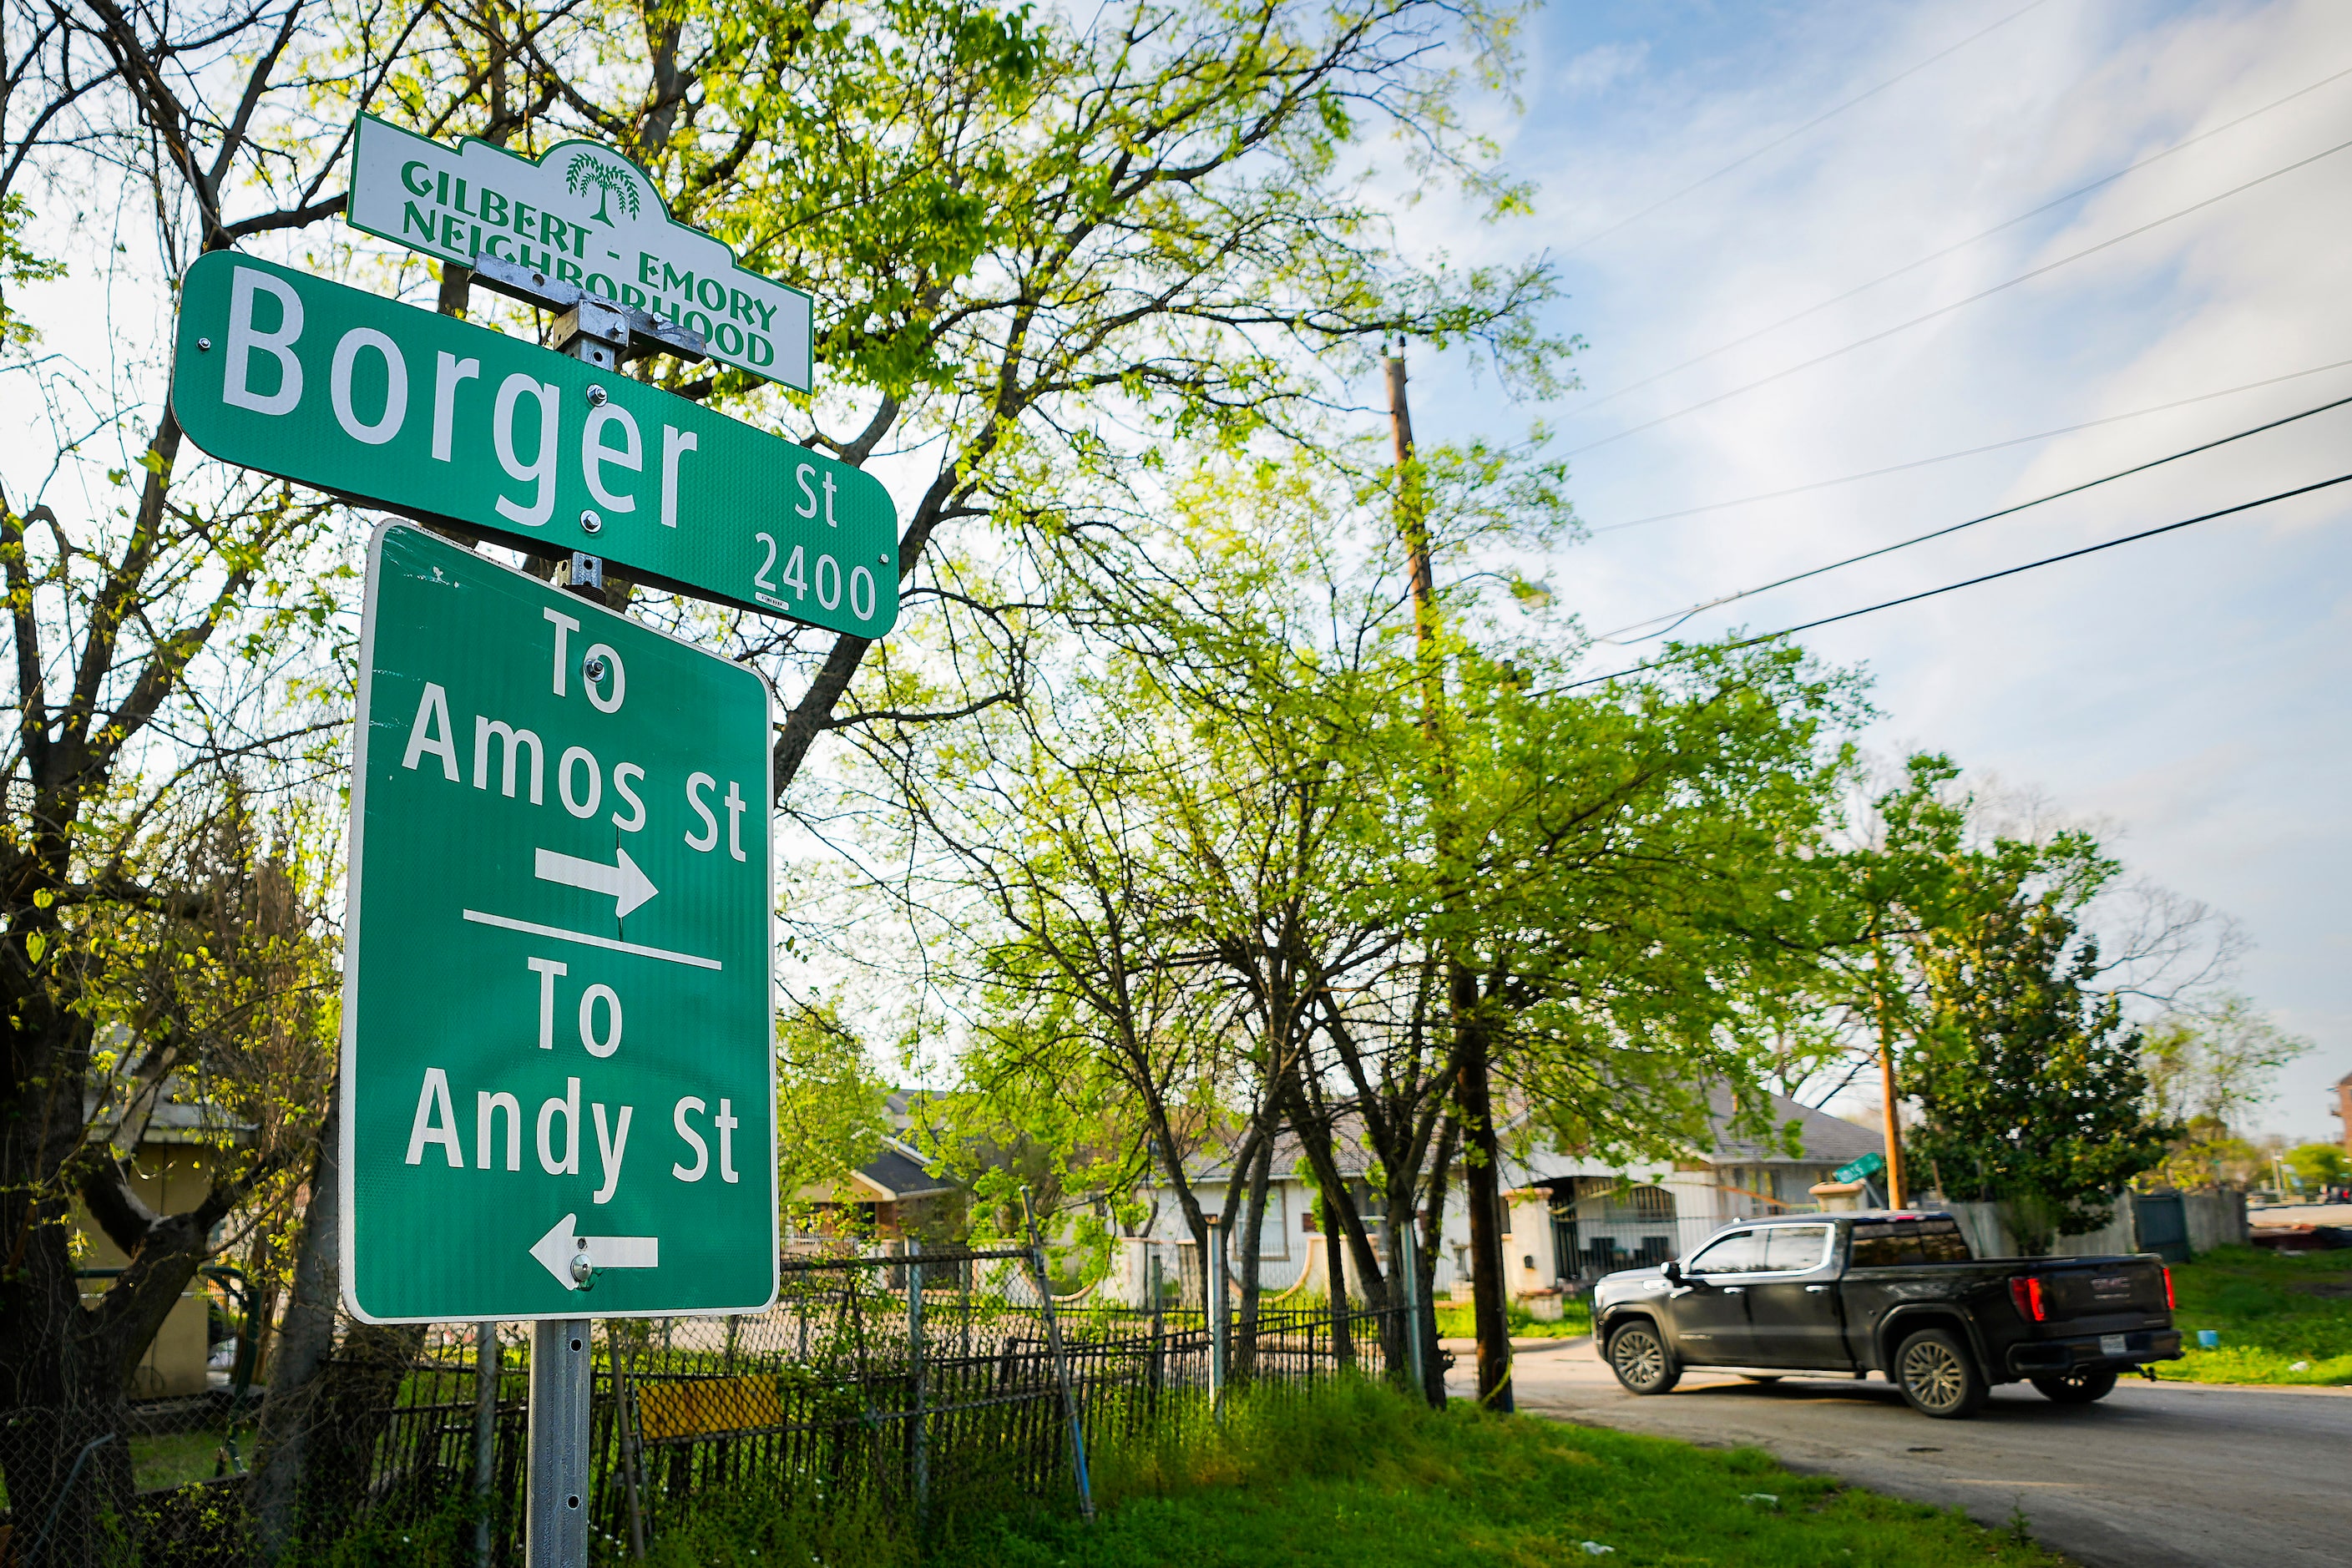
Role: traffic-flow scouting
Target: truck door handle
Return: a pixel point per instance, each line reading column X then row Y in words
column 1815, row 1289
column 1733, row 1289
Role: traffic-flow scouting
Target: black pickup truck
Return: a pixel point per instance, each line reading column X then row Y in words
column 1895, row 1293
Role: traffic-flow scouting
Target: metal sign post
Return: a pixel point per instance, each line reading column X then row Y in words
column 555, row 1517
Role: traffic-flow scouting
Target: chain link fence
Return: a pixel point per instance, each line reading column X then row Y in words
column 920, row 1386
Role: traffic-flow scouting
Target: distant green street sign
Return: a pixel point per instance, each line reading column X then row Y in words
column 583, row 216
column 1859, row 1170
column 435, row 417
column 558, row 1088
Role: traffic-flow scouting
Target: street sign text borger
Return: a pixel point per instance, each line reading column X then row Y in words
column 585, row 216
column 556, row 1011
column 434, row 416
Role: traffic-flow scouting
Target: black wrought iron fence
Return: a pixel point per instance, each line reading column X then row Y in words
column 921, row 1385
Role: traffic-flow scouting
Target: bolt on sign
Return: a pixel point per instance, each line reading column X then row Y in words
column 558, row 1075
column 440, row 418
column 583, row 214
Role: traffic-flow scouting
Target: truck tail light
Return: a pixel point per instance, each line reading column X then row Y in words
column 2025, row 1295
column 2168, row 1288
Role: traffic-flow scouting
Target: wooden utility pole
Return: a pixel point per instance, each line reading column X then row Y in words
column 1481, row 1149
column 1891, row 1125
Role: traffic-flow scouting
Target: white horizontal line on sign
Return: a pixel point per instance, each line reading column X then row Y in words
column 591, row 940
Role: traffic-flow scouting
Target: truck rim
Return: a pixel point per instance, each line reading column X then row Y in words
column 1639, row 1357
column 1934, row 1374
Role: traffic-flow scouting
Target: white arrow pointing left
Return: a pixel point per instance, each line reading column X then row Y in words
column 562, row 1243
column 628, row 886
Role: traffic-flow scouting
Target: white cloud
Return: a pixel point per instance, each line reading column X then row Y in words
column 2191, row 687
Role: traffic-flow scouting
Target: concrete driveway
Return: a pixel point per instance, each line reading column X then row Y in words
column 2155, row 1476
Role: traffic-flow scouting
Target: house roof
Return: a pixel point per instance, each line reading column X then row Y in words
column 172, row 1119
column 1820, row 1136
column 896, row 1173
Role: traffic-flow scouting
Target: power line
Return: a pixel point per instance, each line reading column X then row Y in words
column 1952, row 587
column 1677, row 617
column 1788, row 136
column 1970, row 452
column 1962, row 245
column 1956, row 304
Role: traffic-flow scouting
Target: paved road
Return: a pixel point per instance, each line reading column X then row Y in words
column 2155, row 1476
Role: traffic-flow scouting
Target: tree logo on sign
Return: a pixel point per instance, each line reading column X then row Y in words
column 589, row 172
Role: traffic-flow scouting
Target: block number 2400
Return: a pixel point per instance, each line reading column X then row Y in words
column 828, row 581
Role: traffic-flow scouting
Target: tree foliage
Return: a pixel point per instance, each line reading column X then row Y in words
column 2030, row 1085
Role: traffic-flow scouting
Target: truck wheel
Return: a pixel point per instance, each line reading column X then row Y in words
column 1638, row 1355
column 2077, row 1387
column 1939, row 1377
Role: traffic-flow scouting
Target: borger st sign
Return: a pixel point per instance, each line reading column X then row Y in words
column 556, row 1005
column 583, row 214
column 437, row 417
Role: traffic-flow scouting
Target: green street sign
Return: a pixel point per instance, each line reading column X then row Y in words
column 582, row 217
column 558, row 1072
column 1859, row 1170
column 435, row 417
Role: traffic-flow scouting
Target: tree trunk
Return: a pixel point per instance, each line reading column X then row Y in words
column 1433, row 1238
column 327, row 1407
column 1335, row 1266
column 306, row 1338
column 65, row 1369
column 1482, row 1189
column 1253, row 1231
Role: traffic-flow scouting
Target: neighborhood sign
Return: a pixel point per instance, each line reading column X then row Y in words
column 580, row 214
column 436, row 418
column 1859, row 1170
column 558, row 1090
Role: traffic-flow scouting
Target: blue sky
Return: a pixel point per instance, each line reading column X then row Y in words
column 2186, row 693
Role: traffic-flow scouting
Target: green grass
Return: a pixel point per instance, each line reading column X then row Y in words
column 1576, row 1319
column 1360, row 1476
column 175, row 1458
column 2272, row 1312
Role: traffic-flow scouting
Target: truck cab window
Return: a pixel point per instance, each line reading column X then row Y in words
column 1889, row 1244
column 1794, row 1248
column 1741, row 1252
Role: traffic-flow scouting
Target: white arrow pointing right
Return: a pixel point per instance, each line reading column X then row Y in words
column 628, row 886
column 562, row 1243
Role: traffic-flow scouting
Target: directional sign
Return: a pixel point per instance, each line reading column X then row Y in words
column 558, row 1090
column 437, row 417
column 583, row 214
column 1859, row 1170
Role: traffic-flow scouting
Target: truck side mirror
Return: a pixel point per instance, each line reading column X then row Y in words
column 1674, row 1272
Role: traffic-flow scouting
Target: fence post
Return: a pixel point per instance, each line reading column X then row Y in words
column 624, row 1420
column 486, row 1439
column 1408, row 1275
column 1213, row 1305
column 919, row 1438
column 1060, row 1367
column 555, row 1522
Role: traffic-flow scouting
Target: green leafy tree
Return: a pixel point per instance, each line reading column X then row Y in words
column 2031, row 1085
column 19, row 264
column 831, row 1110
column 2208, row 1068
column 2320, row 1164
